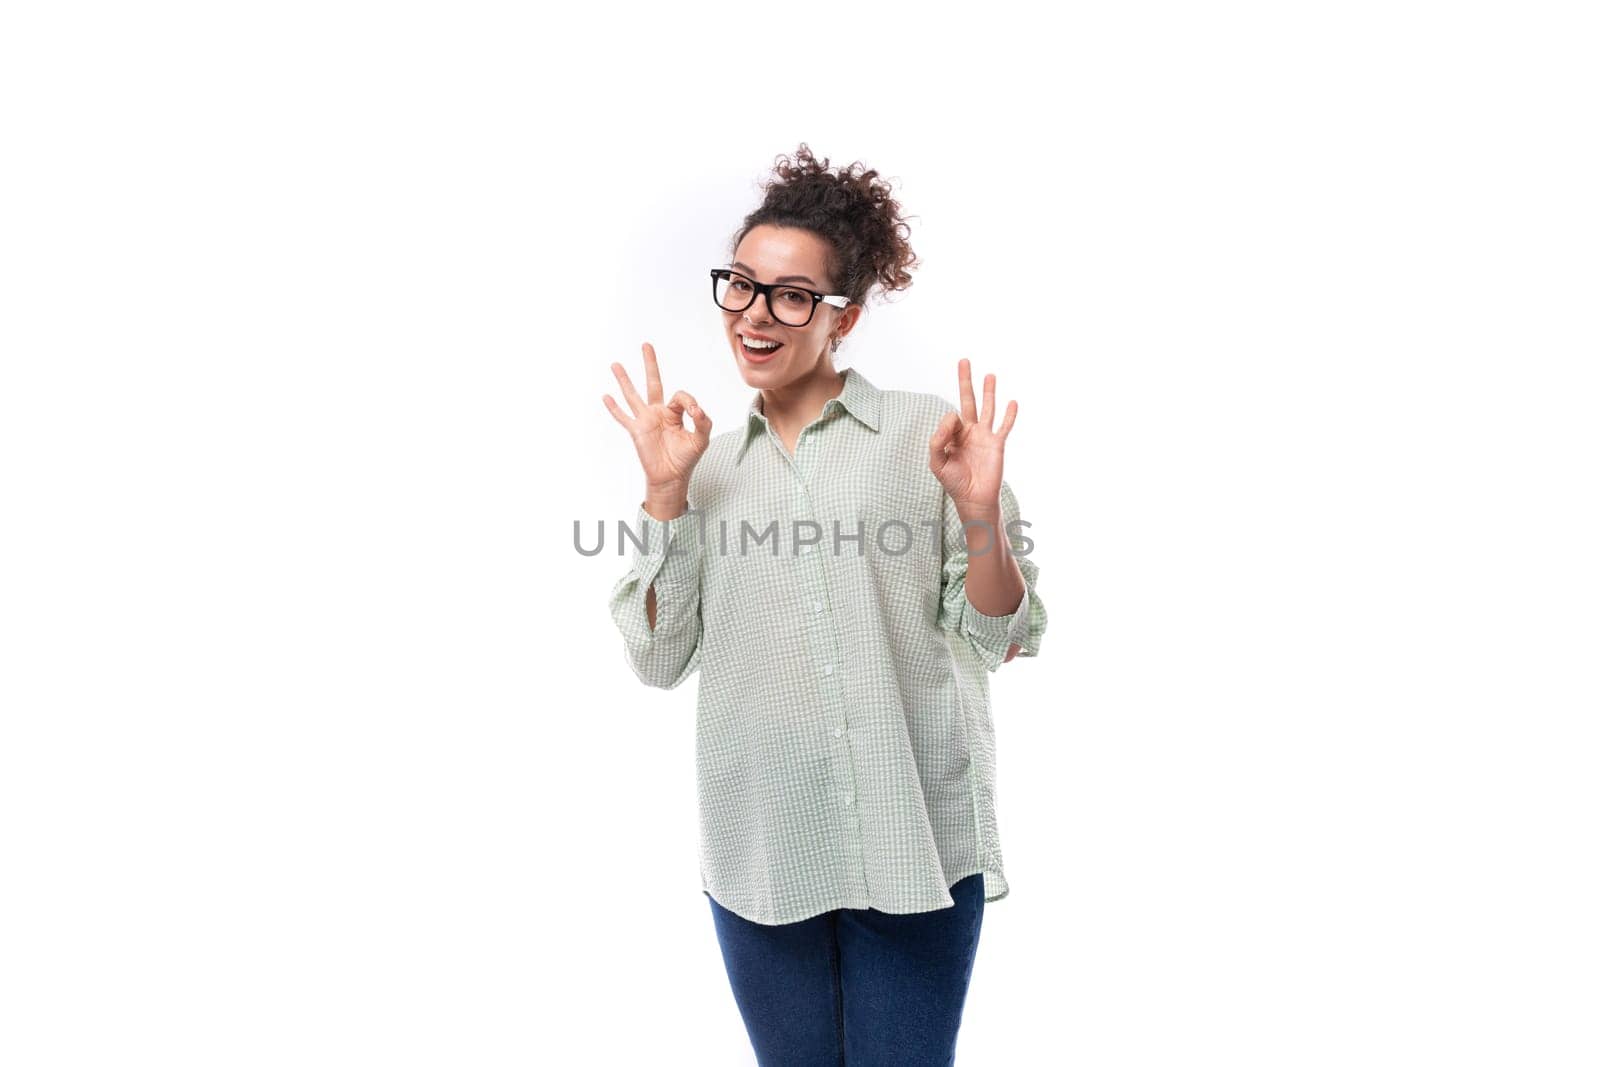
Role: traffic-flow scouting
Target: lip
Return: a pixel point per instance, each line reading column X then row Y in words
column 754, row 335
column 745, row 353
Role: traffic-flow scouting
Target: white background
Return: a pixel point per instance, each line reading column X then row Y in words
column 319, row 746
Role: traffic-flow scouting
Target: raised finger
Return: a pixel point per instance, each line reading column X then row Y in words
column 969, row 407
column 1005, row 424
column 629, row 394
column 616, row 412
column 988, row 401
column 652, row 374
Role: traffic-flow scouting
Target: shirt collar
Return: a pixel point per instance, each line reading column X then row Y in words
column 860, row 398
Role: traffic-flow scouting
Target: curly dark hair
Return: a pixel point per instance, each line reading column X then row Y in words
column 853, row 213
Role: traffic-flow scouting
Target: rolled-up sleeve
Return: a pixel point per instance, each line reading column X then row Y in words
column 991, row 636
column 670, row 557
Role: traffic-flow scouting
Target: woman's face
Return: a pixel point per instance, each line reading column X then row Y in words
column 768, row 254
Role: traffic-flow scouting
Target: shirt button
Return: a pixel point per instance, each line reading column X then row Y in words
column 827, row 668
column 838, row 731
column 817, row 604
column 848, row 799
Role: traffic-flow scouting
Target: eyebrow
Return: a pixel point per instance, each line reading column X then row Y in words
column 785, row 278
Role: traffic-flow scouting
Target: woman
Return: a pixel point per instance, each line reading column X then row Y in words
column 814, row 565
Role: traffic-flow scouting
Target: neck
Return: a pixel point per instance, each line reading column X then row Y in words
column 792, row 407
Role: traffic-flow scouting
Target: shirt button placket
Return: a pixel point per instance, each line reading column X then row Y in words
column 804, row 459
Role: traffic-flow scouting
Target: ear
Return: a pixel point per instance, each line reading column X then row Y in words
column 848, row 317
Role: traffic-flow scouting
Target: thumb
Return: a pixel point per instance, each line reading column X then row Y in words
column 702, row 422
column 943, row 434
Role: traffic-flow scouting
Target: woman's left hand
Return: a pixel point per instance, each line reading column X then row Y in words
column 967, row 453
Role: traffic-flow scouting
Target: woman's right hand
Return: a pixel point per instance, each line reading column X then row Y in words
column 667, row 450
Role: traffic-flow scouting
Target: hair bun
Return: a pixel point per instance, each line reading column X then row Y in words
column 854, row 212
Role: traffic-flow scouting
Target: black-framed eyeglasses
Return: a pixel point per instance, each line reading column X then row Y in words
column 792, row 305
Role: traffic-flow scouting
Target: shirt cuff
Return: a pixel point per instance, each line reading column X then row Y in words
column 671, row 552
column 995, row 634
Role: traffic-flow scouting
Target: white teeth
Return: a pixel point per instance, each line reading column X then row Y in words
column 753, row 343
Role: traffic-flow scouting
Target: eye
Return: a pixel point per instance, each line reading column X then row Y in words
column 741, row 285
column 795, row 296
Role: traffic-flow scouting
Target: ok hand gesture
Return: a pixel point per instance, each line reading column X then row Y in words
column 667, row 450
column 966, row 453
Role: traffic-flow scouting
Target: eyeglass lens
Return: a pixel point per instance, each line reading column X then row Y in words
column 792, row 307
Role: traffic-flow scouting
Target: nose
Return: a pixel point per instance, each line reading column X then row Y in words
column 760, row 300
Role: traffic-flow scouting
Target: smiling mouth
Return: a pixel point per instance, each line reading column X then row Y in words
column 758, row 355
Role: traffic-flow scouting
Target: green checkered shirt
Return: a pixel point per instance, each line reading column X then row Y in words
column 844, row 751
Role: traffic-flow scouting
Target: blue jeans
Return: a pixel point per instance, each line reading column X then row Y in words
column 854, row 985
